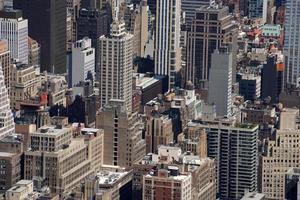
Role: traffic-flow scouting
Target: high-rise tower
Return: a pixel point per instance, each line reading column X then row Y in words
column 167, row 40
column 211, row 28
column 292, row 43
column 116, row 52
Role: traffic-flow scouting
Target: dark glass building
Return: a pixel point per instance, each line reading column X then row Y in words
column 93, row 24
column 47, row 25
column 272, row 78
column 292, row 184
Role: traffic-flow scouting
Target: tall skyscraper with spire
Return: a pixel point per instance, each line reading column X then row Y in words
column 116, row 52
column 7, row 125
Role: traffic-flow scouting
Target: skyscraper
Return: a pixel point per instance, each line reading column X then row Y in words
column 7, row 125
column 167, row 50
column 47, row 25
column 116, row 52
column 211, row 27
column 234, row 148
column 14, row 29
column 292, row 43
column 220, row 82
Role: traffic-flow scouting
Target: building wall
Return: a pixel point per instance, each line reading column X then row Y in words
column 283, row 154
column 15, row 31
column 5, row 58
column 220, row 82
column 167, row 50
column 83, row 61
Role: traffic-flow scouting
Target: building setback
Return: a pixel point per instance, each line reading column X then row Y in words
column 47, row 25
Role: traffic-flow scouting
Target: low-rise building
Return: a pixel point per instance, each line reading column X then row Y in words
column 167, row 182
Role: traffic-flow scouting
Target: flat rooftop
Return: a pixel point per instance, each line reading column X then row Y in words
column 253, row 196
column 109, row 178
column 6, row 155
column 50, row 130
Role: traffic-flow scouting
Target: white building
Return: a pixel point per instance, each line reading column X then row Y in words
column 83, row 61
column 116, row 63
column 292, row 43
column 14, row 29
column 167, row 51
column 220, row 82
column 7, row 125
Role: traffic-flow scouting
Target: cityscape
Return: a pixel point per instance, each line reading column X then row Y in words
column 149, row 99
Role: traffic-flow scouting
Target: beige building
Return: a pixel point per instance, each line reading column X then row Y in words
column 203, row 172
column 5, row 60
column 25, row 190
column 33, row 52
column 116, row 62
column 56, row 88
column 10, row 170
column 20, row 190
column 108, row 185
column 282, row 154
column 136, row 21
column 123, row 143
column 193, row 139
column 25, row 84
column 60, row 160
column 158, row 131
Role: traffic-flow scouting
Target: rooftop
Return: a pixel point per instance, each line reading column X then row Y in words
column 6, row 155
column 14, row 138
column 110, row 178
column 51, row 130
column 253, row 196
